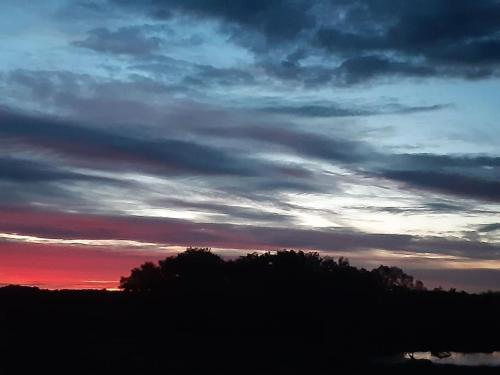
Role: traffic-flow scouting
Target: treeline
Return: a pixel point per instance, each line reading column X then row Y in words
column 199, row 269
column 266, row 313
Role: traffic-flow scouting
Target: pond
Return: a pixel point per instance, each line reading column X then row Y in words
column 460, row 359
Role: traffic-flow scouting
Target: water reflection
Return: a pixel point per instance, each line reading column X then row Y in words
column 461, row 359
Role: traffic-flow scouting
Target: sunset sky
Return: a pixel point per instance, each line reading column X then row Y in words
column 130, row 130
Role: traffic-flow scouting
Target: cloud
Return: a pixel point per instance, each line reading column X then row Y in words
column 30, row 171
column 327, row 110
column 364, row 68
column 132, row 99
column 25, row 181
column 233, row 211
column 303, row 143
column 450, row 38
column 369, row 39
column 487, row 228
column 123, row 41
column 207, row 75
column 277, row 20
column 448, row 183
column 110, row 150
column 67, row 146
column 468, row 176
column 229, row 236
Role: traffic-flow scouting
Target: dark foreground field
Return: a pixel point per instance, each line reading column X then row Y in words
column 276, row 328
column 114, row 332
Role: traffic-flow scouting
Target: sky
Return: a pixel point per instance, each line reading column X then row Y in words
column 359, row 128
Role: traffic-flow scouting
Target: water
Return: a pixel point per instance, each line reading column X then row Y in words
column 462, row 359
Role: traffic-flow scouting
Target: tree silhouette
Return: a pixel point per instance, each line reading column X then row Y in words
column 394, row 277
column 286, row 271
column 145, row 278
column 194, row 268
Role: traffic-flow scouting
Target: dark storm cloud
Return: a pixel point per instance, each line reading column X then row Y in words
column 277, row 20
column 456, row 38
column 424, row 27
column 370, row 38
column 126, row 40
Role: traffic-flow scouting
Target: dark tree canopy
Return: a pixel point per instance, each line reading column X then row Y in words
column 287, row 270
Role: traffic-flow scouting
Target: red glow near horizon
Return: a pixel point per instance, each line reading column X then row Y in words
column 66, row 267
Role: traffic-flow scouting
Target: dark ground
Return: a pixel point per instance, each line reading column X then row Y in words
column 98, row 332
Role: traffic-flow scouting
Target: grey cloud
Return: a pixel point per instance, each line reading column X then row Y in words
column 325, row 110
column 487, row 228
column 126, row 41
column 277, row 20
column 49, row 183
column 206, row 75
column 50, row 194
column 317, row 110
column 455, row 38
column 115, row 101
column 466, row 176
column 433, row 207
column 477, row 163
column 233, row 211
column 249, row 237
column 446, row 207
column 364, row 68
column 30, row 171
column 111, row 151
column 177, row 156
column 448, row 183
column 372, row 38
column 170, row 156
column 303, row 143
